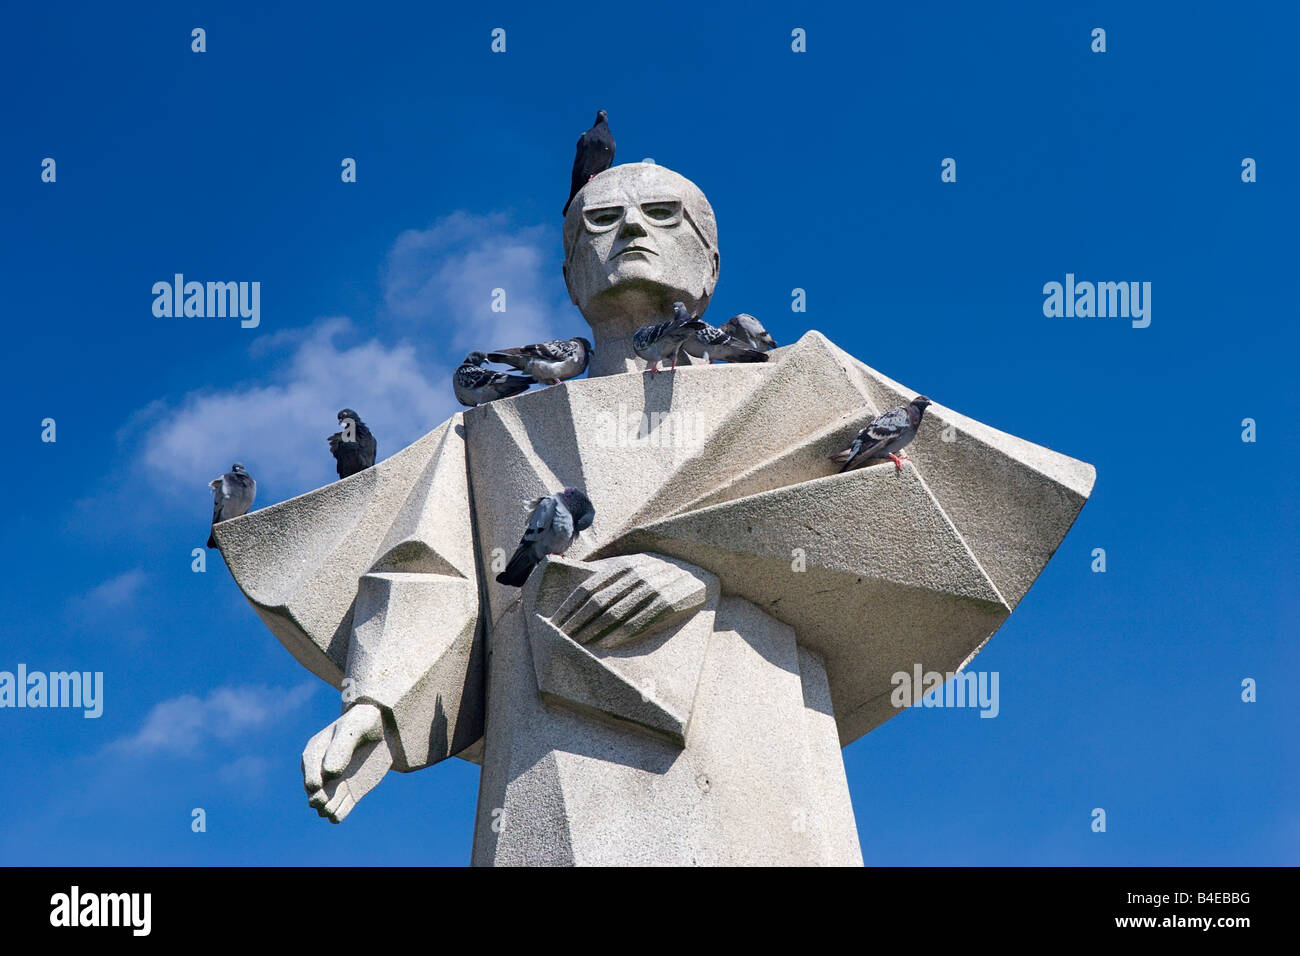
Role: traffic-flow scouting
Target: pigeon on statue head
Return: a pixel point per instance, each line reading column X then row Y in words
column 595, row 154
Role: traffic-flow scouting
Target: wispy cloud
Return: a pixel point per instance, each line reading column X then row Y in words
column 183, row 725
column 444, row 277
column 438, row 288
column 278, row 429
column 115, row 593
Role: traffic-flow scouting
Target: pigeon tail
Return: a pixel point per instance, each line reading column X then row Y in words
column 520, row 566
column 511, row 357
column 212, row 539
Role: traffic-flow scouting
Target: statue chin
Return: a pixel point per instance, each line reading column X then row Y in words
column 635, row 300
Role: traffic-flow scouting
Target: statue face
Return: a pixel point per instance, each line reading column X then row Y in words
column 639, row 231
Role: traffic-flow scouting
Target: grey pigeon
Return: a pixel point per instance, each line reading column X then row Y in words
column 655, row 343
column 553, row 526
column 475, row 385
column 232, row 496
column 885, row 436
column 710, row 343
column 551, row 362
column 595, row 154
column 352, row 453
column 749, row 331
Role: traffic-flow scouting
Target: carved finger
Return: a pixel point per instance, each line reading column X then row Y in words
column 600, row 601
column 583, row 592
column 312, row 755
column 352, row 728
column 627, row 604
column 674, row 601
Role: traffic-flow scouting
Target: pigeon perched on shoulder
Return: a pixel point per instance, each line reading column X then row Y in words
column 232, row 496
column 553, row 526
column 710, row 343
column 885, row 436
column 749, row 331
column 551, row 362
column 655, row 343
column 595, row 154
column 353, row 448
column 475, row 385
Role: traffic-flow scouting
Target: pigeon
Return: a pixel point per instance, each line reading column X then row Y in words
column 554, row 525
column 232, row 496
column 355, row 453
column 477, row 386
column 551, row 362
column 747, row 330
column 885, row 436
column 655, row 343
column 595, row 154
column 711, row 343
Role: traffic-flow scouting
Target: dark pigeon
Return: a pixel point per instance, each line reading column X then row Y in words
column 554, row 525
column 232, row 496
column 885, row 437
column 749, row 331
column 475, row 385
column 551, row 362
column 595, row 154
column 710, row 343
column 655, row 343
column 356, row 455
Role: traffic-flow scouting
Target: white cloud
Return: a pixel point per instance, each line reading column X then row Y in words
column 115, row 593
column 445, row 276
column 278, row 429
column 183, row 725
column 439, row 280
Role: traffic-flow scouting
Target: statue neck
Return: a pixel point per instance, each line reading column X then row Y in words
column 613, row 323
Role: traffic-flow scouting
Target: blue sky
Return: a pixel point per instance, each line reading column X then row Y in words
column 1118, row 690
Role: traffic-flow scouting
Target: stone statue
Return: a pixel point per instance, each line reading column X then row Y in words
column 677, row 687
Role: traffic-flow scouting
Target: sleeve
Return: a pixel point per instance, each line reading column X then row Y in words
column 371, row 583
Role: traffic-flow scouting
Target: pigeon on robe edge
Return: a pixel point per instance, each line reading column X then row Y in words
column 232, row 496
column 554, row 525
column 551, row 362
column 595, row 154
column 352, row 456
column 749, row 331
column 885, row 436
column 710, row 343
column 655, row 343
column 476, row 386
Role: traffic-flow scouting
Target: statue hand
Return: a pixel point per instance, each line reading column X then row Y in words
column 620, row 602
column 343, row 762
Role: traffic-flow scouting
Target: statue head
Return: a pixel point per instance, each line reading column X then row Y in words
column 637, row 238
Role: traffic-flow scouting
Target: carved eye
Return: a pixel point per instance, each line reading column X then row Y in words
column 662, row 211
column 604, row 216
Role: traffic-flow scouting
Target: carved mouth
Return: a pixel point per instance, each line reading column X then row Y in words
column 649, row 252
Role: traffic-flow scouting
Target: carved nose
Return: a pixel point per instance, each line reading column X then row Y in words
column 632, row 228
